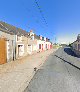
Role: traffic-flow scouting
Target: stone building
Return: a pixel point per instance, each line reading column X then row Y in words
column 7, row 44
column 76, row 45
column 16, row 43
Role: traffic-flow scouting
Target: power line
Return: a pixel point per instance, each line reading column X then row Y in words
column 43, row 19
column 41, row 12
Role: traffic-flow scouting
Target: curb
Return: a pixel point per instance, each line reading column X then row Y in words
column 26, row 83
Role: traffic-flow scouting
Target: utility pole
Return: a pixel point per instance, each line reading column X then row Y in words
column 55, row 41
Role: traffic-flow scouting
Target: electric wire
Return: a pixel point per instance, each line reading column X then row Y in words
column 41, row 12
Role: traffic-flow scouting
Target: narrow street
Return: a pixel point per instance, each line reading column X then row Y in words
column 57, row 74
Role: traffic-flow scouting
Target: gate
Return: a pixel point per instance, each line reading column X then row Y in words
column 3, row 51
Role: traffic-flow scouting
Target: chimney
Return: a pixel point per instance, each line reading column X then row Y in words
column 49, row 40
column 44, row 38
column 32, row 34
column 40, row 37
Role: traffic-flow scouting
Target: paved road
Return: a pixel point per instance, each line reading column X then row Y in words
column 57, row 74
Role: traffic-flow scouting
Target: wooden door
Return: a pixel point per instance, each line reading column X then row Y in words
column 2, row 51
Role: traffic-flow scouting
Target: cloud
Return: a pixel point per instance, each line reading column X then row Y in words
column 66, row 39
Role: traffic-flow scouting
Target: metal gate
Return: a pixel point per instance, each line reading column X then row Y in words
column 3, row 51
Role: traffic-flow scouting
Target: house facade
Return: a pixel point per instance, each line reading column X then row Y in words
column 38, row 43
column 16, row 43
column 31, row 43
column 44, row 44
column 76, row 45
column 7, row 44
column 21, row 46
column 21, row 39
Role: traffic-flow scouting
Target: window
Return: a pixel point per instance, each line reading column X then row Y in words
column 19, row 38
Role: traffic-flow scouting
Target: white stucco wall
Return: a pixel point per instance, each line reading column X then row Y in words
column 41, row 42
column 48, row 43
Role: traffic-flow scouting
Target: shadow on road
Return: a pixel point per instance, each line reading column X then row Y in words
column 67, row 62
column 70, row 52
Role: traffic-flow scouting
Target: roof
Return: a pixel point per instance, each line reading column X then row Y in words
column 36, row 37
column 74, row 41
column 6, row 31
column 12, row 29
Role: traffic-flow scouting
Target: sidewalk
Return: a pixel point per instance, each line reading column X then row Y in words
column 16, row 75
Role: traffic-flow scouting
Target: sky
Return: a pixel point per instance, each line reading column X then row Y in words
column 62, row 17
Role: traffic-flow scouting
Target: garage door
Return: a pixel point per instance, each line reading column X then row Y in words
column 2, row 51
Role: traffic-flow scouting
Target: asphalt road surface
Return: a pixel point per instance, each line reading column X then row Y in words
column 57, row 74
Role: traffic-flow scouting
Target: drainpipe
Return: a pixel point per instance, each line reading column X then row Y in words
column 14, row 47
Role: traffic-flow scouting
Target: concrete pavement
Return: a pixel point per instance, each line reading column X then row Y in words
column 70, row 57
column 16, row 75
column 58, row 74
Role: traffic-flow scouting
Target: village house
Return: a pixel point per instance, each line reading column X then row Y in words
column 32, row 43
column 21, row 39
column 44, row 43
column 76, row 45
column 7, row 44
column 16, row 43
column 39, row 43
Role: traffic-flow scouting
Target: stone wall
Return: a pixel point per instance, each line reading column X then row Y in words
column 9, row 45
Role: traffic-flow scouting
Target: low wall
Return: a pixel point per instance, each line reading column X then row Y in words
column 76, row 52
